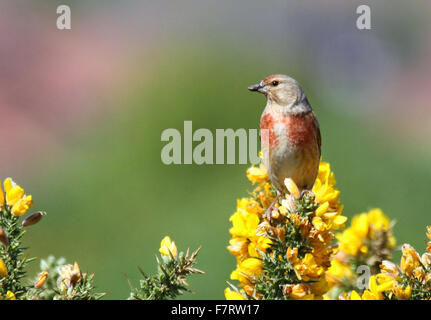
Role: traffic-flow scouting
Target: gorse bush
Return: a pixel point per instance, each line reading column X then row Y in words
column 297, row 249
column 285, row 255
column 170, row 280
column 366, row 243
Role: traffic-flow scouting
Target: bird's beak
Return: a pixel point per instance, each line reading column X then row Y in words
column 260, row 87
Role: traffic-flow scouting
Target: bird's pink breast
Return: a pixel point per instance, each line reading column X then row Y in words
column 298, row 130
column 290, row 148
column 267, row 127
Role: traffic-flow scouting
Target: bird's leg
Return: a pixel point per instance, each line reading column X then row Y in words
column 267, row 214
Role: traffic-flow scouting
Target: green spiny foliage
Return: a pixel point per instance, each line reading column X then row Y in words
column 12, row 254
column 63, row 282
column 170, row 279
column 276, row 271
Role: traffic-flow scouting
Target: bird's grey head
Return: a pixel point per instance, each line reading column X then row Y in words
column 283, row 91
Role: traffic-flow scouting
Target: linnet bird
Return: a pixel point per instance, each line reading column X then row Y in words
column 290, row 133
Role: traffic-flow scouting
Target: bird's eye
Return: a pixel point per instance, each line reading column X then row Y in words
column 275, row 83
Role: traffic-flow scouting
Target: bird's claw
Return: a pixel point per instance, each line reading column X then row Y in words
column 268, row 213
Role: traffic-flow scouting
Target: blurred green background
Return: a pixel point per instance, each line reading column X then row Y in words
column 83, row 110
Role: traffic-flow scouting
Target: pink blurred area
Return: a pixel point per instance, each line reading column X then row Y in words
column 408, row 100
column 53, row 83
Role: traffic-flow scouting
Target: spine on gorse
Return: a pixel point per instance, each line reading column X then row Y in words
column 287, row 255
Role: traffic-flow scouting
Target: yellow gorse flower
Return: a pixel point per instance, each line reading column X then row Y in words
column 364, row 227
column 233, row 295
column 402, row 293
column 257, row 174
column 2, row 200
column 356, row 247
column 411, row 280
column 3, row 269
column 70, row 275
column 324, row 188
column 298, row 291
column 15, row 198
column 355, row 296
column 338, row 271
column 373, row 293
column 168, row 247
column 10, row 295
column 380, row 284
column 41, row 279
column 410, row 260
column 246, row 270
column 307, row 268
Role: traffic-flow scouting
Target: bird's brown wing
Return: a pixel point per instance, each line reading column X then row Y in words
column 318, row 136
